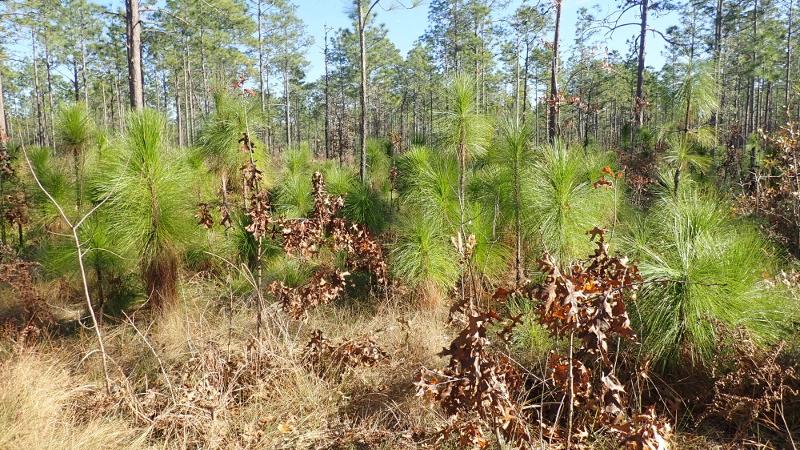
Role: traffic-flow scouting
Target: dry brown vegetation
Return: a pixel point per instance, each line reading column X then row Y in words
column 344, row 377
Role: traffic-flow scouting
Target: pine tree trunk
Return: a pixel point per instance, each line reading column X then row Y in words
column 757, row 106
column 287, row 102
column 76, row 85
column 83, row 74
column 552, row 123
column 639, row 100
column 40, row 140
column 189, row 88
column 517, row 107
column 718, row 63
column 525, row 70
column 105, row 102
column 178, row 112
column 327, row 100
column 50, row 103
column 752, row 121
column 113, row 106
column 767, row 107
column 204, row 69
column 134, row 50
column 788, row 76
column 362, row 128
column 262, row 94
column 3, row 125
column 120, row 108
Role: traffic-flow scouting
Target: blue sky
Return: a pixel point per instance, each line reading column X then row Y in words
column 406, row 26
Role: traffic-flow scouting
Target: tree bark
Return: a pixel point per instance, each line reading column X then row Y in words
column 639, row 100
column 189, row 87
column 718, row 65
column 552, row 124
column 767, row 107
column 362, row 127
column 3, row 125
column 525, row 70
column 327, row 100
column 752, row 120
column 287, row 103
column 39, row 119
column 788, row 76
column 262, row 94
column 134, row 48
column 204, row 69
column 83, row 74
column 76, row 85
column 50, row 103
column 178, row 112
column 105, row 102
column 517, row 76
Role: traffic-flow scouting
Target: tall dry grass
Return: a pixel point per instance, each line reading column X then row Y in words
column 37, row 400
column 197, row 378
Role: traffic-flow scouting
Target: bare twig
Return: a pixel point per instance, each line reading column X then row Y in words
column 74, row 229
column 158, row 358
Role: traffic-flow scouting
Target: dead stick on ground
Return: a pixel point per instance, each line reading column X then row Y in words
column 78, row 248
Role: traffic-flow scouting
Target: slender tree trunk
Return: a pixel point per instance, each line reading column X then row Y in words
column 189, row 85
column 113, row 106
column 639, row 100
column 752, row 121
column 718, row 63
column 340, row 117
column 327, row 100
column 3, row 125
column 525, row 69
column 134, row 49
column 165, row 91
column 262, row 94
column 298, row 126
column 50, row 103
column 121, row 109
column 287, row 102
column 517, row 108
column 83, row 74
column 178, row 112
column 757, row 106
column 362, row 127
column 268, row 142
column 476, row 35
column 518, row 266
column 788, row 76
column 204, row 69
column 767, row 106
column 40, row 140
column 552, row 125
column 430, row 113
column 76, row 85
column 105, row 102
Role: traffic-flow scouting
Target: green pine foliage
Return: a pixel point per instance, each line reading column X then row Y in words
column 702, row 268
column 148, row 189
column 560, row 203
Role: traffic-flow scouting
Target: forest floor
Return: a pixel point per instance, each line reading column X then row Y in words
column 198, row 377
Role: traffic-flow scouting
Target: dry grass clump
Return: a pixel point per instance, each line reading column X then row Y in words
column 37, row 395
column 198, row 378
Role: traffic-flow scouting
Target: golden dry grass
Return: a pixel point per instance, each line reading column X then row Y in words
column 196, row 377
column 37, row 394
